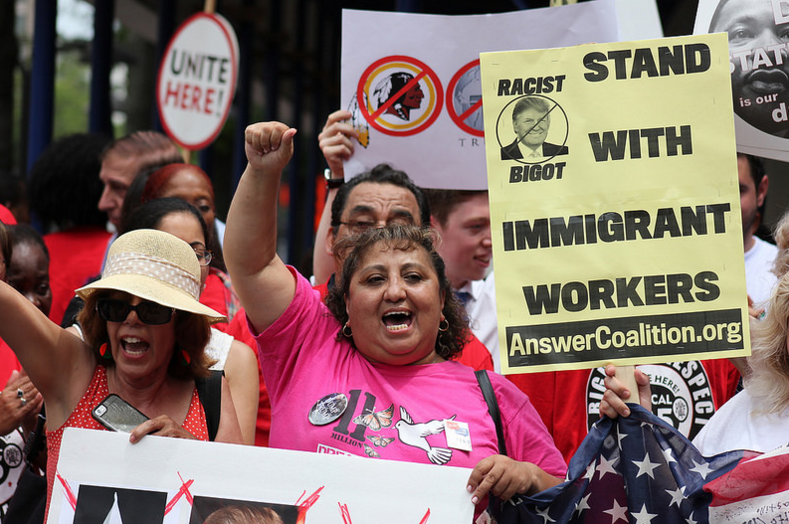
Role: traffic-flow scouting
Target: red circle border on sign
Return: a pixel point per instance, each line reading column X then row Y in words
column 401, row 58
column 451, row 106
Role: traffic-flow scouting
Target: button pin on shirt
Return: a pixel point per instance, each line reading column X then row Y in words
column 328, row 409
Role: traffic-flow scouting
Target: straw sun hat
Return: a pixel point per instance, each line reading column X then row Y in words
column 154, row 266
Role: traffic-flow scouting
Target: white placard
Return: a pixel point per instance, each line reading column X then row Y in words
column 433, row 129
column 189, row 477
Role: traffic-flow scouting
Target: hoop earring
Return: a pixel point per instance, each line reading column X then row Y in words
column 346, row 331
column 105, row 352
column 443, row 326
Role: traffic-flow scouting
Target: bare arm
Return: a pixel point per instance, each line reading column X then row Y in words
column 741, row 363
column 229, row 430
column 241, row 370
column 337, row 145
column 263, row 283
column 504, row 477
column 58, row 363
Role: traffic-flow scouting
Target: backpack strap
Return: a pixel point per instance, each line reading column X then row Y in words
column 493, row 406
column 209, row 390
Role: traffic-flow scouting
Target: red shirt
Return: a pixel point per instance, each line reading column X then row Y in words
column 8, row 363
column 215, row 296
column 75, row 255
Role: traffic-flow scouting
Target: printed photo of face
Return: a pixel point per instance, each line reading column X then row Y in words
column 531, row 126
column 759, row 65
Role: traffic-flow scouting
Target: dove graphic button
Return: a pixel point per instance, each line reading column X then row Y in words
column 328, row 409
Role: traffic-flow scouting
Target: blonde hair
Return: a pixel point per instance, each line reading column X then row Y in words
column 781, row 236
column 769, row 360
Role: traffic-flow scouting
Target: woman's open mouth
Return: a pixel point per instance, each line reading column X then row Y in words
column 134, row 346
column 397, row 320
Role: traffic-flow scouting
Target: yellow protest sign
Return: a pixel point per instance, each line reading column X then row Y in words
column 614, row 200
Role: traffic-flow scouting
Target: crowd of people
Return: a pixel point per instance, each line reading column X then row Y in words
column 396, row 321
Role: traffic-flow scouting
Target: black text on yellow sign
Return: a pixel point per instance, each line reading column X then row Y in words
column 618, row 254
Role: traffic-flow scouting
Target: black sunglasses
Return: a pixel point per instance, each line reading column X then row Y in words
column 114, row 310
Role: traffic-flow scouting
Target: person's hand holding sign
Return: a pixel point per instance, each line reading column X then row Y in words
column 335, row 141
column 613, row 403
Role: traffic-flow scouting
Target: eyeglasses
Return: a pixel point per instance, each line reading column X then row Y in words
column 204, row 256
column 113, row 310
column 360, row 226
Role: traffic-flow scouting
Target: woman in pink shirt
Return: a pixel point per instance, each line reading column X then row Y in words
column 370, row 374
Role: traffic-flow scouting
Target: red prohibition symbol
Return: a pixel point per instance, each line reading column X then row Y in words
column 399, row 95
column 464, row 99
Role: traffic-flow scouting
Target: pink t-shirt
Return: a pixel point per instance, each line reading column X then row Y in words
column 393, row 412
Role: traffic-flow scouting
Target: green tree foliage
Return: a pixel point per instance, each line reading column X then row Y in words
column 72, row 93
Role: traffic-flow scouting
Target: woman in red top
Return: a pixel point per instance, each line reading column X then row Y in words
column 145, row 334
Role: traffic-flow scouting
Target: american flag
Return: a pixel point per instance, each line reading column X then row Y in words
column 640, row 470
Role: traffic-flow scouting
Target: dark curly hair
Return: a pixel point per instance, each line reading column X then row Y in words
column 353, row 249
column 192, row 333
column 65, row 187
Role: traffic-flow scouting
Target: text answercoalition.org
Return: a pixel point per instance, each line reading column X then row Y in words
column 606, row 338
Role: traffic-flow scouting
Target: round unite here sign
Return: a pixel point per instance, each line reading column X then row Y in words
column 197, row 80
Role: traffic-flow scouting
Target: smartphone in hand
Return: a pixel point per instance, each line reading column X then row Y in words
column 116, row 414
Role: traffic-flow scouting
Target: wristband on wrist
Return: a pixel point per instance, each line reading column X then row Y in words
column 332, row 183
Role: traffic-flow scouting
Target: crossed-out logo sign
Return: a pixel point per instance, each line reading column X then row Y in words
column 464, row 99
column 681, row 395
column 399, row 95
column 532, row 129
